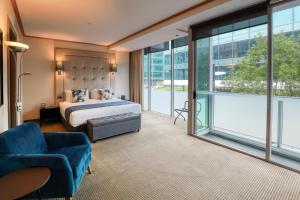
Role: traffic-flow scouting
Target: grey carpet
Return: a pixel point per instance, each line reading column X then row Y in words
column 162, row 162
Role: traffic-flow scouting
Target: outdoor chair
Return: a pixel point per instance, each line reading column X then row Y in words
column 179, row 112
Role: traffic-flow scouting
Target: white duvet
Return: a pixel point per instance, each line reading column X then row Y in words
column 80, row 117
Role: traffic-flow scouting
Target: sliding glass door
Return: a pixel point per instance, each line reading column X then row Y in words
column 286, row 83
column 160, row 82
column 231, row 73
column 166, row 77
column 180, row 62
column 247, row 81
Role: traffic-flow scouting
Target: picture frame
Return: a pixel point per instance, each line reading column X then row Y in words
column 1, row 68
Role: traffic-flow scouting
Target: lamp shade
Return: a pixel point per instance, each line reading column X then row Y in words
column 59, row 64
column 17, row 46
column 113, row 68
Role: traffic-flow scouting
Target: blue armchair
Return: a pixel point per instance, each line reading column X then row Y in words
column 67, row 155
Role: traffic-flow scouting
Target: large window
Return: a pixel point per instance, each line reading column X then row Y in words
column 168, row 77
column 235, row 81
column 160, row 78
column 180, row 76
column 286, row 80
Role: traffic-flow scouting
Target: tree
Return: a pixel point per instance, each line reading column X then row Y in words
column 250, row 73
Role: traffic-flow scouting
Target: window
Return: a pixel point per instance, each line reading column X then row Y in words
column 286, row 82
column 233, row 86
column 168, row 91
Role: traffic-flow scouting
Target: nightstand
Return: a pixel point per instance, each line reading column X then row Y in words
column 49, row 114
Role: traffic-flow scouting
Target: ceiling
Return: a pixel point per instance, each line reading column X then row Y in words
column 94, row 21
column 104, row 22
column 170, row 32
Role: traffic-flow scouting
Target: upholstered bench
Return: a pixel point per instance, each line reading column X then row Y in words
column 109, row 126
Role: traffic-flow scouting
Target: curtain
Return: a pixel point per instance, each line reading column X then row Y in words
column 136, row 76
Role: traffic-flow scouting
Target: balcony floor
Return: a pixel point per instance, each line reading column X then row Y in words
column 253, row 150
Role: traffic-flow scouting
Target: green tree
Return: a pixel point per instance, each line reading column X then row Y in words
column 250, row 73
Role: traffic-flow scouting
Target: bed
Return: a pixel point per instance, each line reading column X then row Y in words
column 87, row 70
column 75, row 115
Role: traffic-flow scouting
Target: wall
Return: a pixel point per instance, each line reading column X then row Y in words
column 40, row 87
column 6, row 14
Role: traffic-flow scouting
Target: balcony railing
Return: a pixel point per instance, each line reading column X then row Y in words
column 244, row 116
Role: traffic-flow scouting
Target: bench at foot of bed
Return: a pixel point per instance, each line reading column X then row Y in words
column 109, row 126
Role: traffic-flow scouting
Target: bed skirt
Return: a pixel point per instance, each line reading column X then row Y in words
column 70, row 128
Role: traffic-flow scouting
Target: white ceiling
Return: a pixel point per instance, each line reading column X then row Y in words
column 169, row 32
column 110, row 20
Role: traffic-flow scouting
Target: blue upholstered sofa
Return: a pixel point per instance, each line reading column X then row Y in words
column 67, row 155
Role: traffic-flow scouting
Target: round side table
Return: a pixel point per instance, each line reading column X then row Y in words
column 23, row 181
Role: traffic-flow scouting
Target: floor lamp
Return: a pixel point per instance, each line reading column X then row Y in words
column 18, row 48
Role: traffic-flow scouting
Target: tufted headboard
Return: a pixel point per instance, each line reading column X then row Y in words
column 82, row 69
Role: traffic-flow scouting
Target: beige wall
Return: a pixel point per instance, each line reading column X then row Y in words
column 39, row 60
column 6, row 13
column 39, row 87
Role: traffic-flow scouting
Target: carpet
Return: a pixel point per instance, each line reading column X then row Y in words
column 161, row 162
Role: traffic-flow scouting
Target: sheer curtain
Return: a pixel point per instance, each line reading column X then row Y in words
column 136, row 76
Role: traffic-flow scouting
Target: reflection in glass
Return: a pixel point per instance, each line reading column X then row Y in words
column 202, row 84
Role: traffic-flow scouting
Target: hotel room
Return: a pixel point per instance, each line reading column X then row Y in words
column 137, row 99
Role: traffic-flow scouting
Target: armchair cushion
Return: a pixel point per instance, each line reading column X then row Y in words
column 77, row 157
column 24, row 139
column 76, row 147
column 59, row 140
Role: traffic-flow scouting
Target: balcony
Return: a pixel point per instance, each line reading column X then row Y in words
column 239, row 121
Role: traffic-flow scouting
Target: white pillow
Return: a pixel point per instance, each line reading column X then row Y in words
column 68, row 96
column 101, row 94
column 107, row 94
column 95, row 94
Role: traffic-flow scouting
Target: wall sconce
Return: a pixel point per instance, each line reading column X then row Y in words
column 113, row 68
column 59, row 66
